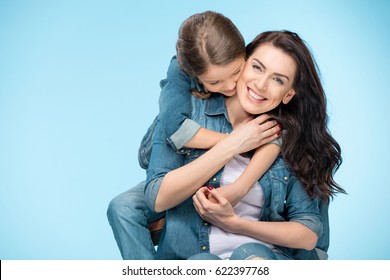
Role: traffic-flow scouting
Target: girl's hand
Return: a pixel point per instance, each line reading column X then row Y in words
column 218, row 212
column 253, row 134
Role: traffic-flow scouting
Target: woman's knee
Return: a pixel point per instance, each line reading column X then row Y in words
column 204, row 256
column 253, row 251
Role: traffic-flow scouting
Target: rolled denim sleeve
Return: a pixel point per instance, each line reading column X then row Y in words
column 163, row 160
column 184, row 134
column 175, row 107
column 302, row 209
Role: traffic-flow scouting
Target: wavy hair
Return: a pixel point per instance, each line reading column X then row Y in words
column 308, row 148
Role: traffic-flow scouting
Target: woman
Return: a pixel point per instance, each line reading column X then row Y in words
column 211, row 55
column 279, row 75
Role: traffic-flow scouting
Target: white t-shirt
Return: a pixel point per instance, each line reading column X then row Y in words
column 223, row 243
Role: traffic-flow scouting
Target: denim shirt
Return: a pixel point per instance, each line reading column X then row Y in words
column 285, row 199
column 174, row 112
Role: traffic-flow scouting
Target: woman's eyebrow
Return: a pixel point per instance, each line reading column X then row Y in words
column 278, row 74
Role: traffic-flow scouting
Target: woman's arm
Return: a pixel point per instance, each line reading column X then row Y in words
column 289, row 234
column 286, row 234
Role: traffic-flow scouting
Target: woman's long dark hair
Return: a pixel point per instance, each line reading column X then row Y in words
column 308, row 148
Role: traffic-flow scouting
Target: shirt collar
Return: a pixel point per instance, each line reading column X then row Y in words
column 196, row 85
column 216, row 105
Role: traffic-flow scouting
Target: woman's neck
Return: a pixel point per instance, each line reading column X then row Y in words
column 236, row 113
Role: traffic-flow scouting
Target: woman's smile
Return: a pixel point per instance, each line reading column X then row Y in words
column 254, row 96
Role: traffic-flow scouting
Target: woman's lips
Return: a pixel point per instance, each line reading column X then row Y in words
column 255, row 96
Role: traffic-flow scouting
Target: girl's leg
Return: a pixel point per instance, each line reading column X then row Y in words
column 129, row 217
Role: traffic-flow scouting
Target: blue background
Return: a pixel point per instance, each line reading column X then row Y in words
column 79, row 84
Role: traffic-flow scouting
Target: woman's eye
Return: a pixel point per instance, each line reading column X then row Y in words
column 257, row 67
column 213, row 83
column 279, row 81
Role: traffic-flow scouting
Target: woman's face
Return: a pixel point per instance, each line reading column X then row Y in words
column 223, row 79
column 267, row 80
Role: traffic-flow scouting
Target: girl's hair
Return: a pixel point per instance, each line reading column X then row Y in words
column 207, row 38
column 308, row 148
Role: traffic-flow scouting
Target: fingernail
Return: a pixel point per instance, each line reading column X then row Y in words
column 210, row 188
column 280, row 126
column 278, row 133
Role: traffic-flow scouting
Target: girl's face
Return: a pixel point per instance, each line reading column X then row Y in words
column 222, row 79
column 267, row 80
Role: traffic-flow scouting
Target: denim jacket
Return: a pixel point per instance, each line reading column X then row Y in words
column 186, row 234
column 174, row 112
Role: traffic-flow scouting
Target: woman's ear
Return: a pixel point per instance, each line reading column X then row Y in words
column 289, row 95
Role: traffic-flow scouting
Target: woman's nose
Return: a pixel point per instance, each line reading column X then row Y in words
column 261, row 83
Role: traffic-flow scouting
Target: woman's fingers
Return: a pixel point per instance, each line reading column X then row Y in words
column 217, row 196
column 200, row 200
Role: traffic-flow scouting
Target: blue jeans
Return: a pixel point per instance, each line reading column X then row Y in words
column 129, row 216
column 245, row 252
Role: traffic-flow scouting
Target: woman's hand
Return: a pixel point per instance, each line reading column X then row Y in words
column 213, row 207
column 253, row 133
column 219, row 212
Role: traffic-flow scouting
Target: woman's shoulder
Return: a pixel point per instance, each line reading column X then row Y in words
column 278, row 165
column 279, row 171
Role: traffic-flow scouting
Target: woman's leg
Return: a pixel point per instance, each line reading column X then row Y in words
column 255, row 251
column 129, row 216
column 204, row 256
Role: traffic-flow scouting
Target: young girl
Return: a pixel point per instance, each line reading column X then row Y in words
column 210, row 58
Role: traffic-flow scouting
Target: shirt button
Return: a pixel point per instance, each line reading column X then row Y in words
column 214, row 179
column 204, row 248
column 206, row 223
column 285, row 178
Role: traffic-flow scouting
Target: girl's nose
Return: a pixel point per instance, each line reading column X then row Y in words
column 230, row 85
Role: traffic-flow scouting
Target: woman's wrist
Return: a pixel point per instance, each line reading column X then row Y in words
column 233, row 224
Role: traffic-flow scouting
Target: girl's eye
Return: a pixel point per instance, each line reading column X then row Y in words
column 214, row 83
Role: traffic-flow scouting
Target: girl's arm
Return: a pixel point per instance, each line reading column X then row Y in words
column 175, row 112
column 174, row 117
column 178, row 184
column 289, row 234
column 261, row 161
column 205, row 139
